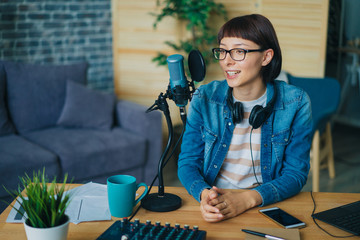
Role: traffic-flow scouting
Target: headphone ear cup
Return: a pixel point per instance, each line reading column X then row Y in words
column 257, row 116
column 238, row 112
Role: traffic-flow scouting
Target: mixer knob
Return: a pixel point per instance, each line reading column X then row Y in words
column 137, row 223
column 125, row 237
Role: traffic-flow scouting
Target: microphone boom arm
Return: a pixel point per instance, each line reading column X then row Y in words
column 161, row 201
column 164, row 107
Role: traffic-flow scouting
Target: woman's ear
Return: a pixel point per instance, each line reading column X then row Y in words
column 268, row 55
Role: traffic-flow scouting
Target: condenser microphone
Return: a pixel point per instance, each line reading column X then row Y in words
column 179, row 87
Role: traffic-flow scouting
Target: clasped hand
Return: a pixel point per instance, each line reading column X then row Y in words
column 220, row 204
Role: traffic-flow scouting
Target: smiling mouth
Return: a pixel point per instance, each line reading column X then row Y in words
column 232, row 73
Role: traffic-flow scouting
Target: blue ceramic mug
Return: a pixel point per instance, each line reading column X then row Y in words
column 121, row 193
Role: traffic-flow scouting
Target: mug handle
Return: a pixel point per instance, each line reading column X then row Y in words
column 143, row 194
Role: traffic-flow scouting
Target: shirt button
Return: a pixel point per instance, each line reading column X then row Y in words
column 272, row 135
column 224, row 145
column 215, row 166
column 265, row 168
column 229, row 123
column 265, row 145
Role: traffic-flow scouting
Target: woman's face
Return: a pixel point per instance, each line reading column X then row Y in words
column 245, row 73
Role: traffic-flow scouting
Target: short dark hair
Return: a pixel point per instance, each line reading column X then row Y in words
column 258, row 29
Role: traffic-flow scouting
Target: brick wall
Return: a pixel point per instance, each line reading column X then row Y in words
column 59, row 32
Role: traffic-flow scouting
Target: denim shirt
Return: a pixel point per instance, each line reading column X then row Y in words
column 285, row 141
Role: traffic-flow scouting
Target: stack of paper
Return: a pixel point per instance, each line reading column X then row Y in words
column 89, row 202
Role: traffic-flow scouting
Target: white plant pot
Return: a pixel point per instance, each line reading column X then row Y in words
column 53, row 233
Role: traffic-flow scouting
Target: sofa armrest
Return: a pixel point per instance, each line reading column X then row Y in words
column 133, row 117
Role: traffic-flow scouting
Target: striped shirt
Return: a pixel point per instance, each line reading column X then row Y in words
column 237, row 170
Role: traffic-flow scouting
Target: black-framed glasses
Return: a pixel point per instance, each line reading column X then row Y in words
column 237, row 54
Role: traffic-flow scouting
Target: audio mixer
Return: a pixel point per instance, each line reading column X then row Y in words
column 124, row 230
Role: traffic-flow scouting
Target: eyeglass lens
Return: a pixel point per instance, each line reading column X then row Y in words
column 236, row 54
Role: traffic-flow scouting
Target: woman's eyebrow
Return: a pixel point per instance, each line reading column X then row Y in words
column 238, row 44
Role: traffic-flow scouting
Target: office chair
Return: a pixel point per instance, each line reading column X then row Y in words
column 324, row 95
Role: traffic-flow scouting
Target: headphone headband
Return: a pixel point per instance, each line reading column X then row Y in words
column 258, row 114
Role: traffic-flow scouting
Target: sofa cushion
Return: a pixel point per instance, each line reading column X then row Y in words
column 36, row 93
column 6, row 127
column 85, row 153
column 18, row 156
column 86, row 108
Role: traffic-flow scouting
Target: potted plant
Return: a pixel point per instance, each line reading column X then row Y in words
column 196, row 15
column 43, row 204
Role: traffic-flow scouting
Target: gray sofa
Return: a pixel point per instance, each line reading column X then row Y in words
column 49, row 118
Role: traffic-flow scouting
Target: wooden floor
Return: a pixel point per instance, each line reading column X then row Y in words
column 346, row 143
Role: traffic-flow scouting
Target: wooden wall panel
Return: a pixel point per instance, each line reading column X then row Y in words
column 135, row 43
column 301, row 26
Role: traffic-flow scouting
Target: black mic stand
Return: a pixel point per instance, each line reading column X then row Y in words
column 161, row 201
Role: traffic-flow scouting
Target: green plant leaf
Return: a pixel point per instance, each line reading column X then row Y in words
column 196, row 14
column 45, row 201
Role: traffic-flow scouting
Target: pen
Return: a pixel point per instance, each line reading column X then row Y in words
column 262, row 235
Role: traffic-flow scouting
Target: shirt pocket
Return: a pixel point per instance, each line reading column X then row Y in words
column 209, row 138
column 279, row 141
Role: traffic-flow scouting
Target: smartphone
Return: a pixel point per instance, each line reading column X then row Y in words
column 282, row 218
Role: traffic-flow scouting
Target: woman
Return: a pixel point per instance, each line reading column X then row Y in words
column 248, row 131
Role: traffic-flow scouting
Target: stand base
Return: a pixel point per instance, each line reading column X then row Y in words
column 154, row 202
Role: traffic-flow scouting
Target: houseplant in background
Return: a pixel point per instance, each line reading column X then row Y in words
column 43, row 204
column 196, row 15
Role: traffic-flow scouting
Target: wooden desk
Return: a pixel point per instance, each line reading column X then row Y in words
column 300, row 206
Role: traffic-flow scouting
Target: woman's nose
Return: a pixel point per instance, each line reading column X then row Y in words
column 228, row 59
